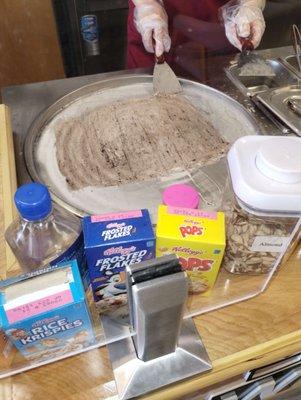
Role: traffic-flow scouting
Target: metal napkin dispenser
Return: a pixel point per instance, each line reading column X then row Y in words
column 157, row 291
column 160, row 347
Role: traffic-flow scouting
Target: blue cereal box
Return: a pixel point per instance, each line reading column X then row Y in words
column 44, row 313
column 113, row 241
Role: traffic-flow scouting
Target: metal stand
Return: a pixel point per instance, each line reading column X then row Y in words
column 135, row 377
column 162, row 348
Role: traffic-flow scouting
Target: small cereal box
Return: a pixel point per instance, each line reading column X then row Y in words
column 113, row 241
column 44, row 313
column 198, row 238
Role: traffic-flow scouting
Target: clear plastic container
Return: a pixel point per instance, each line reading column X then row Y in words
column 265, row 177
column 43, row 234
column 254, row 242
column 256, row 249
column 234, row 283
column 246, row 270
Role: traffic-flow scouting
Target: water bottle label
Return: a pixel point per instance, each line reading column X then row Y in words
column 75, row 252
column 89, row 28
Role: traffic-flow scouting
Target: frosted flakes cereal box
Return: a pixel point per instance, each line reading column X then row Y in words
column 113, row 241
column 198, row 238
column 44, row 313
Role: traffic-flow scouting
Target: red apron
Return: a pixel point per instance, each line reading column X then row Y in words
column 190, row 21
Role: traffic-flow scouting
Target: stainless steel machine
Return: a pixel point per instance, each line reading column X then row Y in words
column 163, row 348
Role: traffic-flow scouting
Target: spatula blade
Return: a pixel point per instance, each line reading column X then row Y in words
column 165, row 80
column 252, row 64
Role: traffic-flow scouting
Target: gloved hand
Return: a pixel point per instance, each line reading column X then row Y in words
column 244, row 19
column 151, row 22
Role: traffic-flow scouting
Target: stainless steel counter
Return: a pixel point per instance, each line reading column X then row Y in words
column 27, row 101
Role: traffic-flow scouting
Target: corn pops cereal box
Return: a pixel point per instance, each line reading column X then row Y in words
column 112, row 242
column 198, row 238
column 44, row 313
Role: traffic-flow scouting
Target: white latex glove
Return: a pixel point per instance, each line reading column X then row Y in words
column 151, row 22
column 244, row 19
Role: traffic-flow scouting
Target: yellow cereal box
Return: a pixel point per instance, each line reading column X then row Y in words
column 198, row 238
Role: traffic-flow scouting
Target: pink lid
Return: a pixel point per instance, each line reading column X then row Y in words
column 181, row 196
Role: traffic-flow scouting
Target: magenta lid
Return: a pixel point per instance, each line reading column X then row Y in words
column 181, row 195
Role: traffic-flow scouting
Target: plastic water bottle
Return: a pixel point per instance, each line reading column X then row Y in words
column 90, row 34
column 44, row 234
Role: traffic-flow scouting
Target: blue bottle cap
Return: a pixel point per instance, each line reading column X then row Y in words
column 33, row 201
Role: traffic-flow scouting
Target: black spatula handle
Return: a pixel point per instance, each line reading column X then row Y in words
column 246, row 44
column 160, row 59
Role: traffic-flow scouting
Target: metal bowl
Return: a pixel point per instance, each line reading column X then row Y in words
column 228, row 116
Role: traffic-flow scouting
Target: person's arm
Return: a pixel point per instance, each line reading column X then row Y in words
column 244, row 19
column 151, row 22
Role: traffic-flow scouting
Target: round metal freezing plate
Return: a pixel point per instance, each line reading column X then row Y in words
column 227, row 115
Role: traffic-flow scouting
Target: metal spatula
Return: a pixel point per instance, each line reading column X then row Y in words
column 249, row 59
column 164, row 79
column 297, row 44
column 246, row 56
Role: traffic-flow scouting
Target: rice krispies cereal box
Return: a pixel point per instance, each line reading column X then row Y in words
column 198, row 238
column 44, row 313
column 113, row 241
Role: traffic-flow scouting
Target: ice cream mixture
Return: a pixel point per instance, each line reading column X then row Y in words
column 163, row 141
column 135, row 140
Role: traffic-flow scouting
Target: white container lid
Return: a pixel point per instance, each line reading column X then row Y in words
column 266, row 173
